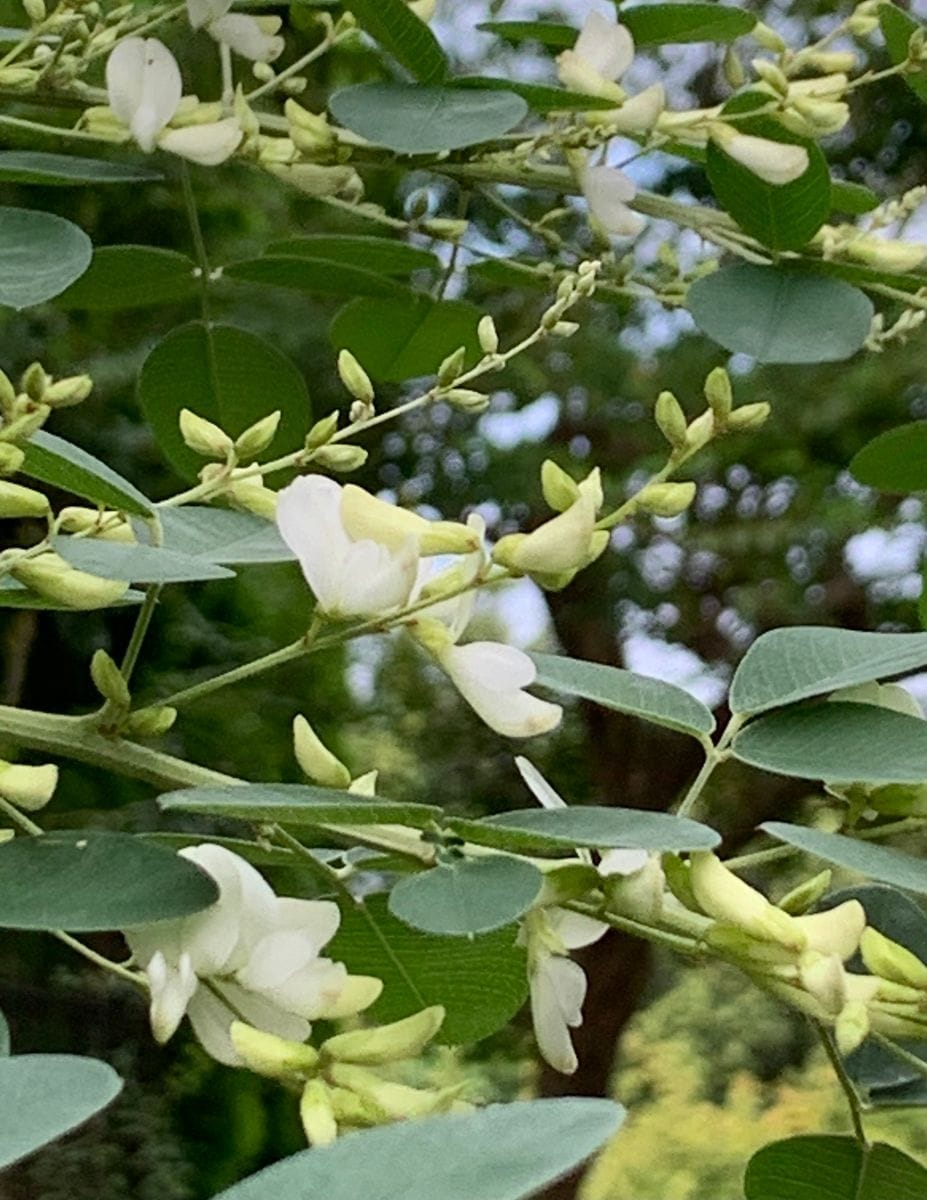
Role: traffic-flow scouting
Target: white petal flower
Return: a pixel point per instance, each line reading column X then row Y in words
column 208, row 144
column 777, row 163
column 251, row 37
column 492, row 677
column 641, row 112
column 608, row 193
column 558, row 989
column 348, row 578
column 601, row 54
column 201, row 12
column 144, row 87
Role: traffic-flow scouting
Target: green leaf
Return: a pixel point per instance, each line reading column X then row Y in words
column 832, row 1168
column 781, row 316
column 539, row 97
column 412, row 119
column 226, row 375
column 668, row 24
column 784, row 216
column 43, row 1096
column 4, row 1036
column 881, row 863
column 786, row 665
column 384, row 256
column 67, row 170
column 853, row 198
column 406, row 337
column 503, row 1152
column 219, row 535
column 897, row 28
column 86, row 880
column 552, row 830
column 15, row 595
column 410, row 40
column 51, row 459
column 548, row 33
column 136, row 563
column 314, row 275
column 650, row 699
column 837, row 742
column 121, row 277
column 297, row 804
column 895, row 461
column 482, row 982
column 507, row 273
column 40, row 255
column 468, row 896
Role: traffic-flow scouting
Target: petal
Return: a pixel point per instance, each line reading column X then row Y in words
column 316, row 919
column 309, row 520
column 641, row 112
column 777, row 163
column 144, row 87
column 494, row 665
column 608, row 48
column 607, row 191
column 220, row 938
column 375, row 580
column 248, row 36
column 574, row 929
column 487, row 675
column 358, row 993
column 561, row 544
column 622, row 862
column 171, row 991
column 201, row 12
column 367, row 518
column 212, row 1013
column 208, row 144
column 309, row 991
column 538, row 785
column 558, row 988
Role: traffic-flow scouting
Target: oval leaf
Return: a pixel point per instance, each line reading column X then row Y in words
column 412, row 119
column 219, row 535
column 410, row 40
column 650, row 699
column 314, row 275
column 226, row 375
column 85, row 880
column 895, row 461
column 67, row 170
column 503, row 1152
column 468, row 896
column 384, row 256
column 136, row 564
column 897, row 28
column 40, row 255
column 786, row 665
column 122, row 277
column 666, row 24
column 881, row 863
column 406, row 337
column 547, row 830
column 482, row 982
column 297, row 804
column 780, row 316
column 832, row 1168
column 548, row 33
column 43, row 1096
column 53, row 460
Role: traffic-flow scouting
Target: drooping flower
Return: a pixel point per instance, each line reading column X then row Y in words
column 777, row 163
column 492, row 678
column 600, row 56
column 208, row 144
column 609, row 193
column 255, row 38
column 251, row 955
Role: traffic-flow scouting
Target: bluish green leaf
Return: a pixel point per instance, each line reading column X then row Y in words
column 538, row 96
column 671, row 23
column 650, row 699
column 318, row 276
column 406, row 337
column 832, row 1168
column 226, row 375
column 88, row 879
column 219, row 535
column 385, row 256
column 53, row 460
column 786, row 665
column 67, row 170
column 412, row 119
column 881, row 863
column 895, row 461
column 43, row 1096
column 897, row 29
column 548, row 33
column 121, row 277
column 297, row 804
column 40, row 255
column 4, row 1036
column 503, row 1152
column 555, row 830
column 481, row 982
column 410, row 40
column 781, row 316
column 468, row 896
column 136, row 563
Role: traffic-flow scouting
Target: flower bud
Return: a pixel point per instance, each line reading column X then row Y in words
column 316, row 1114
column 21, row 428
column 250, row 495
column 748, row 417
column 488, row 337
column 355, row 378
column 269, row 1055
column 560, row 489
column 446, row 227
column 767, row 38
column 771, row 74
column 806, row 894
column 851, row 1027
column 392, row 1101
column 884, row 957
column 776, row 163
column 315, row 759
column 666, row 499
column 638, row 895
column 11, row 459
column 35, row 10
column 34, row 381
column 94, row 522
column 109, row 680
column 863, row 20
column 340, row 458
column 722, row 895
column 51, row 577
column 700, row 431
column 7, row 396
column 366, row 517
column 203, row 437
column 67, row 392
column 257, row 437
column 822, row 976
column 29, row 788
column 886, row 254
column 19, row 501
column 322, row 431
column 451, row 367
column 835, row 930
column 670, row 419
column 151, row 722
column 387, row 1043
column 718, row 394
column 467, row 400
column 733, row 68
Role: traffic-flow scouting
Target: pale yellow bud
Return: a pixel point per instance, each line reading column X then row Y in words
column 467, row 400
column 393, row 1101
column 748, row 417
column 11, row 458
column 771, row 74
column 269, row 1055
column 355, row 378
column 822, row 976
column 767, row 38
column 34, row 381
column 315, row 759
column 95, row 522
column 721, row 894
column 366, row 517
column 448, row 228
column 886, row 254
column 257, row 437
column 109, row 680
column 560, row 489
column 29, row 788
column 67, row 392
column 250, row 495
column 700, row 431
column 203, row 437
column 51, row 577
column 263, row 72
column 322, row 431
column 805, row 895
column 387, row 1043
column 718, row 394
column 35, row 10
column 666, row 499
column 341, row 458
column 317, row 1115
column 670, row 419
column 851, row 1027
column 884, row 957
column 151, row 722
column 7, row 396
column 488, row 337
column 451, row 367
column 19, row 501
column 835, row 930
column 733, row 68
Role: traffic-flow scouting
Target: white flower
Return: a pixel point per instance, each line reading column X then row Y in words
column 641, row 112
column 250, row 956
column 601, row 54
column 777, row 163
column 608, row 193
column 144, row 87
column 208, row 144
column 348, row 577
column 492, row 678
column 201, row 12
column 251, row 37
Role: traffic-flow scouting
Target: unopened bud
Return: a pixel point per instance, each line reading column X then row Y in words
column 11, row 458
column 721, row 894
column 315, row 759
column 448, row 228
column 771, row 74
column 467, row 400
column 19, row 501
column 560, row 489
column 29, row 788
column 257, row 437
column 767, row 38
column 487, row 334
column 34, row 381
column 670, row 419
column 884, row 957
column 95, row 522
column 322, row 431
column 806, row 894
column 263, row 72
column 387, row 1043
column 666, row 499
column 564, row 329
column 451, row 367
column 700, row 431
column 718, row 394
column 7, row 396
column 269, row 1055
column 340, row 458
column 66, row 392
column 733, row 68
column 109, row 680
column 851, row 1027
column 35, row 10
column 151, row 722
column 21, row 428
column 747, row 417
column 203, row 437
column 355, row 378
column 316, row 1114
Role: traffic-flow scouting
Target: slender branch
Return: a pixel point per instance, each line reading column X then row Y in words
column 139, row 630
column 849, row 1088
column 649, row 933
column 248, row 670
column 134, row 977
column 12, row 813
